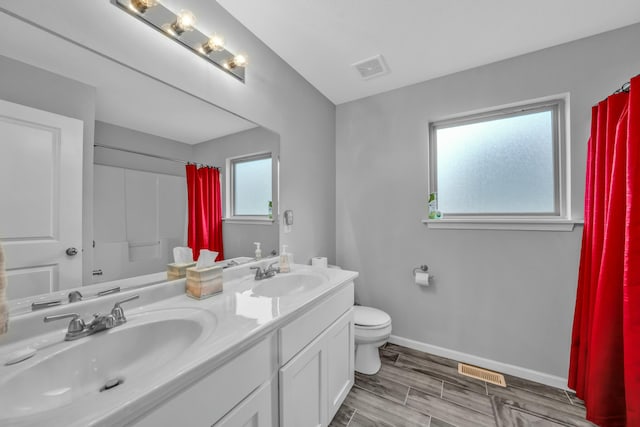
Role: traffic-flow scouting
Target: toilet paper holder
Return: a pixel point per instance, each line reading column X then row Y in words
column 420, row 269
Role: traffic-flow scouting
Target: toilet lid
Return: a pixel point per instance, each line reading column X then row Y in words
column 369, row 316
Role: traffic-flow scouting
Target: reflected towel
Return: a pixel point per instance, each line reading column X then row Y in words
column 4, row 309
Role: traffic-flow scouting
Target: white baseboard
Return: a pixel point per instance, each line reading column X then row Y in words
column 505, row 368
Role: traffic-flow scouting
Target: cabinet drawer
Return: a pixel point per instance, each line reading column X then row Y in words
column 257, row 410
column 297, row 334
column 205, row 402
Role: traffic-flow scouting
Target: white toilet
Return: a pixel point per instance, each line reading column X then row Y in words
column 372, row 329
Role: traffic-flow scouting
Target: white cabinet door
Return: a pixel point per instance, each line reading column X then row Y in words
column 316, row 381
column 303, row 385
column 340, row 367
column 254, row 411
column 41, row 193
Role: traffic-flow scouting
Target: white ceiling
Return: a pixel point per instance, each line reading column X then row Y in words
column 124, row 97
column 419, row 39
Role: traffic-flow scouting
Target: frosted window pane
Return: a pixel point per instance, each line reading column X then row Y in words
column 501, row 166
column 252, row 187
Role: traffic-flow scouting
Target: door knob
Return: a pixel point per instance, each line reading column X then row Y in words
column 72, row 251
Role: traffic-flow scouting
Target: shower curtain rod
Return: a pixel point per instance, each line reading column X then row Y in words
column 155, row 156
column 625, row 87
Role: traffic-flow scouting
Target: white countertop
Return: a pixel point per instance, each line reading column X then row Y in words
column 241, row 319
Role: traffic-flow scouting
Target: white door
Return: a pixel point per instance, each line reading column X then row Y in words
column 41, row 199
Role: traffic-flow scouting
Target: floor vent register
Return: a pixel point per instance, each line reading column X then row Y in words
column 482, row 374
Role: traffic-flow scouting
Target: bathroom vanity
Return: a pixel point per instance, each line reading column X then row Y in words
column 272, row 352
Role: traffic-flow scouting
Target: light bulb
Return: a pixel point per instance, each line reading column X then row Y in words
column 184, row 22
column 141, row 6
column 214, row 44
column 240, row 61
column 236, row 61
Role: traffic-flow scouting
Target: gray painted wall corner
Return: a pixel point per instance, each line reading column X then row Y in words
column 507, row 296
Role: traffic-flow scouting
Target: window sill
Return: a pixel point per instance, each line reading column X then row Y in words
column 248, row 220
column 526, row 224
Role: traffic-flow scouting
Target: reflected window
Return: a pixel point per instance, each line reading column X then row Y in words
column 251, row 186
column 505, row 163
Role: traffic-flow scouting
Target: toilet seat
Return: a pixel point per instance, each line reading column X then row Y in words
column 367, row 328
column 370, row 318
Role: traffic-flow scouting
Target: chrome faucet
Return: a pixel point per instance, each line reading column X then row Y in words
column 100, row 322
column 118, row 313
column 265, row 273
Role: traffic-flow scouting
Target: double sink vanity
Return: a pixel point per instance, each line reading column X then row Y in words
column 271, row 352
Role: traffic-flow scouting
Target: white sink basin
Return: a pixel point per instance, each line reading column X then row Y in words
column 289, row 284
column 69, row 371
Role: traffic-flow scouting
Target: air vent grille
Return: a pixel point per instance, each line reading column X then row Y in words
column 371, row 67
column 482, row 374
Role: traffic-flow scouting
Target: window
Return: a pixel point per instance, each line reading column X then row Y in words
column 250, row 186
column 501, row 165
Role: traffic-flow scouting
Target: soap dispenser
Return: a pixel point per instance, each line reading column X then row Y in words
column 258, row 250
column 285, row 265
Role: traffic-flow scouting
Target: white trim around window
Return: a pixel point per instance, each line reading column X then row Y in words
column 557, row 218
column 230, row 217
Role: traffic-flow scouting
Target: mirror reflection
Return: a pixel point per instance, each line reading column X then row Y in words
column 93, row 156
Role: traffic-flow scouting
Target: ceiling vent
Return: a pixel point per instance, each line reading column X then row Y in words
column 371, row 67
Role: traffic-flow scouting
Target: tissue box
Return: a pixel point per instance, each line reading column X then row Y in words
column 178, row 271
column 205, row 282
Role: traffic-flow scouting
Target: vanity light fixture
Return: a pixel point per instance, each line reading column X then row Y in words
column 236, row 61
column 181, row 29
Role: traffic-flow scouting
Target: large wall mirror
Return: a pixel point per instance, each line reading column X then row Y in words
column 141, row 133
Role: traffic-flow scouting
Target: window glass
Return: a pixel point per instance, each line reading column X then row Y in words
column 502, row 164
column 252, row 191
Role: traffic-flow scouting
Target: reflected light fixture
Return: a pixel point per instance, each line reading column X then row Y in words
column 141, row 6
column 184, row 22
column 181, row 28
column 236, row 61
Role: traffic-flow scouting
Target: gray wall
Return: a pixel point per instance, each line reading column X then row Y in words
column 502, row 295
column 239, row 237
column 37, row 88
column 121, row 137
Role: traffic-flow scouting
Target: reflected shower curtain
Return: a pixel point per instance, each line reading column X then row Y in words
column 605, row 349
column 204, row 230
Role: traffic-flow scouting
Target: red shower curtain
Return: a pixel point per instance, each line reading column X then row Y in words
column 205, row 210
column 605, row 349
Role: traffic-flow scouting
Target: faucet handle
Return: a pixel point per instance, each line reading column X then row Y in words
column 75, row 296
column 76, row 325
column 259, row 272
column 45, row 304
column 109, row 291
column 272, row 270
column 118, row 313
column 131, row 298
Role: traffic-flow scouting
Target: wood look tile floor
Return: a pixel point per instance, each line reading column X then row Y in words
column 414, row 388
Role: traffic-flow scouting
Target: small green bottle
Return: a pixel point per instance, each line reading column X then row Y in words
column 270, row 209
column 433, row 206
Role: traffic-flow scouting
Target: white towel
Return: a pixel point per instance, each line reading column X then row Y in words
column 4, row 310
